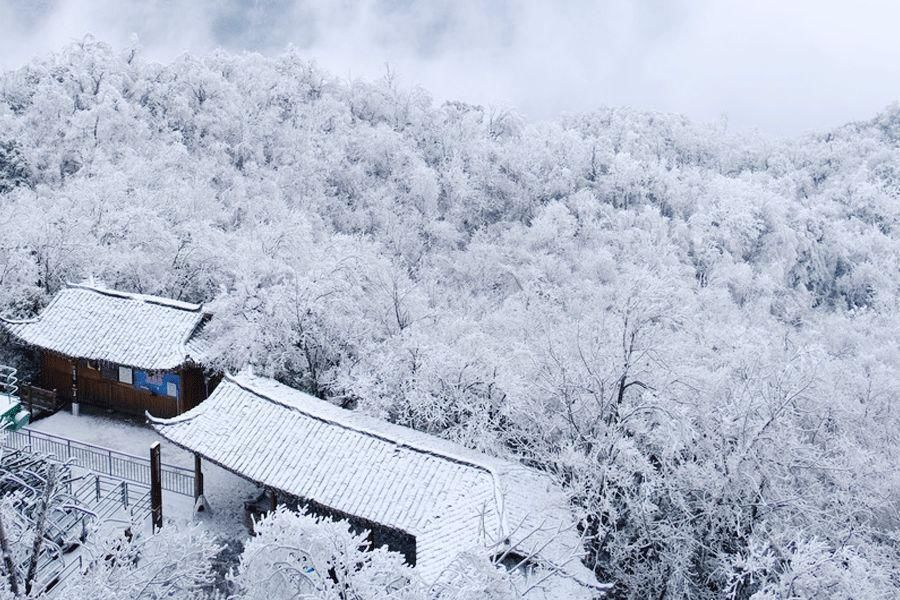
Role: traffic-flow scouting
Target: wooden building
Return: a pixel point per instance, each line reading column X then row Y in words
column 430, row 499
column 126, row 352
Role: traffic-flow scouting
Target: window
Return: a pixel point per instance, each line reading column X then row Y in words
column 125, row 375
column 171, row 389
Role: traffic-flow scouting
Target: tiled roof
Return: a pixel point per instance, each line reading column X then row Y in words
column 450, row 498
column 145, row 332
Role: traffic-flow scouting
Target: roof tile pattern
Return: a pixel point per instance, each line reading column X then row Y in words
column 450, row 498
column 135, row 330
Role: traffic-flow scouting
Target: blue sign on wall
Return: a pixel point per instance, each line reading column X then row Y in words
column 160, row 384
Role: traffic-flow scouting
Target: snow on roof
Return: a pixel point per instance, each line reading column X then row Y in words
column 82, row 321
column 452, row 499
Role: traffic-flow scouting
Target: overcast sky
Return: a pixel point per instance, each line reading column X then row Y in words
column 781, row 66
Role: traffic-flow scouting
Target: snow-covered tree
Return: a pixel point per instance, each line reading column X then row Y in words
column 695, row 330
column 176, row 562
column 296, row 555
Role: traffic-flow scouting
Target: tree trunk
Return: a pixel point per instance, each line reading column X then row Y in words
column 40, row 525
column 8, row 561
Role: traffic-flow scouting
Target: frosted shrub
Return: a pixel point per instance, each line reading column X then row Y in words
column 298, row 555
column 176, row 563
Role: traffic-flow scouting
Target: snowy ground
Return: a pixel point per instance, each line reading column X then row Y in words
column 225, row 491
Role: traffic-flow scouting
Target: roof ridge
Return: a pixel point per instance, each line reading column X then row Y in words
column 499, row 496
column 9, row 321
column 239, row 381
column 146, row 298
column 201, row 322
column 182, row 418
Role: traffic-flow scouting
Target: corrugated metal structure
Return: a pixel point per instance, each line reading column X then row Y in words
column 449, row 498
column 117, row 350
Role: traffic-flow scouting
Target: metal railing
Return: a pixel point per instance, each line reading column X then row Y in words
column 78, row 500
column 98, row 459
column 110, row 502
column 51, row 583
column 107, row 502
column 112, row 496
column 9, row 381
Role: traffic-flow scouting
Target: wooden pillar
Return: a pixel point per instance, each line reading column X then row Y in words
column 198, row 477
column 74, row 380
column 156, row 513
column 76, row 407
column 273, row 499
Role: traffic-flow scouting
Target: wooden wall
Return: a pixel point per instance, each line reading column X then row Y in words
column 56, row 374
column 94, row 390
column 193, row 388
column 104, row 393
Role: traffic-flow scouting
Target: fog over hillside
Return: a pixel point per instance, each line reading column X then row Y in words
column 781, row 67
column 694, row 330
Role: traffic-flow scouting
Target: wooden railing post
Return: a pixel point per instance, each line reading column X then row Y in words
column 198, row 477
column 156, row 487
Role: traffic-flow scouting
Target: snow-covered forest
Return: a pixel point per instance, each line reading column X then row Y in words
column 694, row 330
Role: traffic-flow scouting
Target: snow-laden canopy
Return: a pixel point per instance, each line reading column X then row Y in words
column 136, row 330
column 452, row 499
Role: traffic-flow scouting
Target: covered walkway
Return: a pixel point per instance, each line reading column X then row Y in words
column 450, row 500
